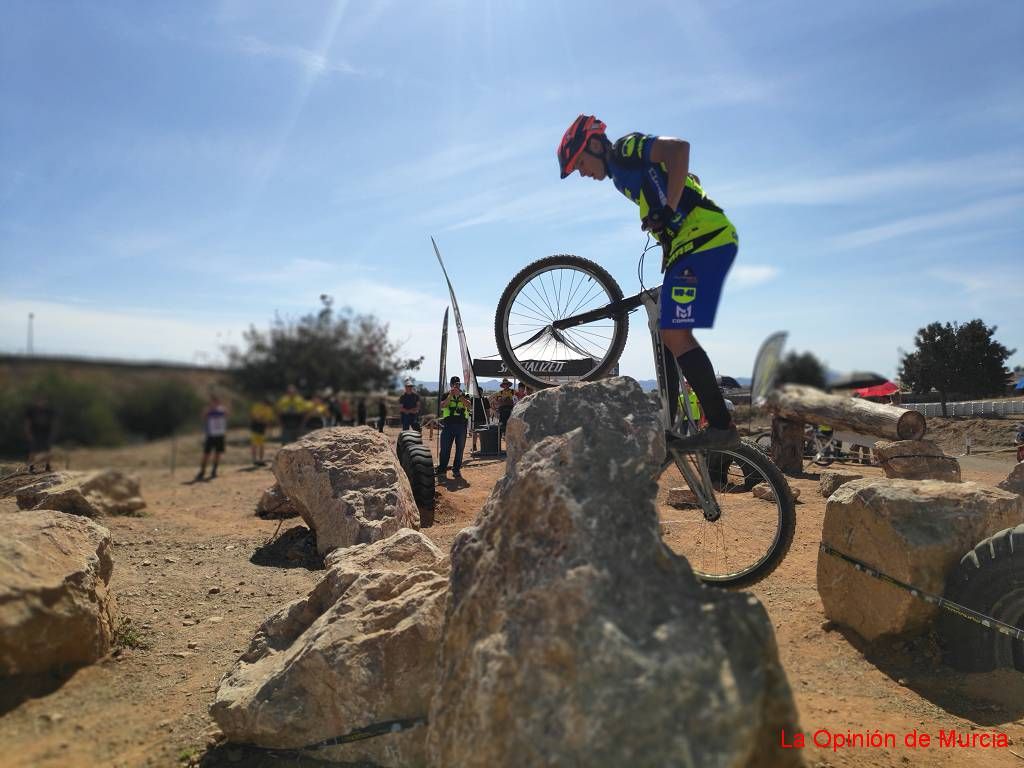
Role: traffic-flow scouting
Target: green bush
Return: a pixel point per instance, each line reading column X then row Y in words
column 85, row 412
column 159, row 408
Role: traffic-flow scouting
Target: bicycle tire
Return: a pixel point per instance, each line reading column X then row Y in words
column 784, row 525
column 565, row 261
column 763, row 440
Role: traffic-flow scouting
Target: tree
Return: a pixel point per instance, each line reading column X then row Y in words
column 961, row 358
column 804, row 368
column 331, row 348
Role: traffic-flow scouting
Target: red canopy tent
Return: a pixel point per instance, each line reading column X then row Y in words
column 880, row 390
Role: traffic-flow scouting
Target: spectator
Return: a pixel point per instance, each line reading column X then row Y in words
column 333, row 407
column 382, row 414
column 455, row 420
column 316, row 415
column 409, row 407
column 695, row 412
column 503, row 401
column 521, row 391
column 215, row 427
column 261, row 418
column 346, row 411
column 361, row 412
column 291, row 410
column 1018, row 440
column 40, row 426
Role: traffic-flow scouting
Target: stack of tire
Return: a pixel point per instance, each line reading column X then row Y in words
column 418, row 464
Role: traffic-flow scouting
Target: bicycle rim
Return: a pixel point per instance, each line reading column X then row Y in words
column 553, row 289
column 751, row 535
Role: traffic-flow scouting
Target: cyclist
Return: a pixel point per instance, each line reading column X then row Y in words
column 698, row 242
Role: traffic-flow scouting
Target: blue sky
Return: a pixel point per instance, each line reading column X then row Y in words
column 171, row 173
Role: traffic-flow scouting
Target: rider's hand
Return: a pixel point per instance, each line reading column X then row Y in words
column 663, row 221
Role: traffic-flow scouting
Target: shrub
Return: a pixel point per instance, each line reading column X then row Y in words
column 85, row 412
column 158, row 409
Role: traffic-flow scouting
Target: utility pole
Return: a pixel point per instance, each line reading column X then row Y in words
column 28, row 347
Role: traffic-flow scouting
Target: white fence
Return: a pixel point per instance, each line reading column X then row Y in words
column 972, row 408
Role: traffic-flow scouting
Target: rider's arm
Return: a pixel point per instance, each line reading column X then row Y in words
column 675, row 154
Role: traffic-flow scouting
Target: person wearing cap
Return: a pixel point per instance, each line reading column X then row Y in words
column 409, row 406
column 503, row 402
column 455, row 420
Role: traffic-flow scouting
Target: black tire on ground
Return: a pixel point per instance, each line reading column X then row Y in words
column 501, row 316
column 406, row 438
column 420, row 471
column 989, row 579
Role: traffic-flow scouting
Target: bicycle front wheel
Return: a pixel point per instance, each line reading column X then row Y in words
column 755, row 520
column 553, row 289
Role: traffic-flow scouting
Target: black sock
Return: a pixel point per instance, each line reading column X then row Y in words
column 697, row 369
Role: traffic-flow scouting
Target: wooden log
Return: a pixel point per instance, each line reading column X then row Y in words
column 812, row 406
column 788, row 445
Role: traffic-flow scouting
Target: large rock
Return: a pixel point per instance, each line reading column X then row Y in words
column 274, row 504
column 913, row 530
column 348, row 486
column 359, row 650
column 832, row 479
column 916, row 460
column 56, row 612
column 92, row 494
column 1014, row 482
column 573, row 636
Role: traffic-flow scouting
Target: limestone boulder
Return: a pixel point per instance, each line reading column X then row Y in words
column 764, row 491
column 347, row 485
column 1014, row 482
column 916, row 460
column 56, row 610
column 573, row 636
column 913, row 530
column 831, row 479
column 359, row 650
column 92, row 494
column 273, row 504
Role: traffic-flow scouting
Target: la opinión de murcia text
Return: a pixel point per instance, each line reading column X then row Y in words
column 823, row 738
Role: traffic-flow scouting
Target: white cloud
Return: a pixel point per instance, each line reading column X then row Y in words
column 125, row 332
column 978, row 172
column 312, row 61
column 943, row 220
column 746, row 275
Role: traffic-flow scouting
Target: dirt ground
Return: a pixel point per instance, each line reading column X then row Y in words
column 196, row 577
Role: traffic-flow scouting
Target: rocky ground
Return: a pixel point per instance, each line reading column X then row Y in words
column 195, row 575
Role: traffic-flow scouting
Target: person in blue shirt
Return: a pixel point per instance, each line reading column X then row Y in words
column 698, row 241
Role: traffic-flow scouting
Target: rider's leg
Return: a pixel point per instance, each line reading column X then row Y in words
column 696, row 367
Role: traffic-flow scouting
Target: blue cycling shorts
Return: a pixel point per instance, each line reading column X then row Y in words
column 693, row 286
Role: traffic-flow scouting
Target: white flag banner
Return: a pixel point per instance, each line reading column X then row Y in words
column 467, row 361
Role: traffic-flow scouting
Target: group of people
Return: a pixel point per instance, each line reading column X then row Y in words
column 293, row 413
column 456, row 408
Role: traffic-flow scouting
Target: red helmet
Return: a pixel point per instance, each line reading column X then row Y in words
column 575, row 141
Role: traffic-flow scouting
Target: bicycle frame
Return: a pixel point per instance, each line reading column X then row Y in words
column 698, row 478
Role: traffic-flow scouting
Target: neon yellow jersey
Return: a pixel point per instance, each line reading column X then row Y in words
column 262, row 413
column 292, row 404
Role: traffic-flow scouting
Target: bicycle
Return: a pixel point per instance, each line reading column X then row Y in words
column 820, row 448
column 730, row 512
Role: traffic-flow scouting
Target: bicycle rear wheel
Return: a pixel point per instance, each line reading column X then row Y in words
column 756, row 521
column 553, row 289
